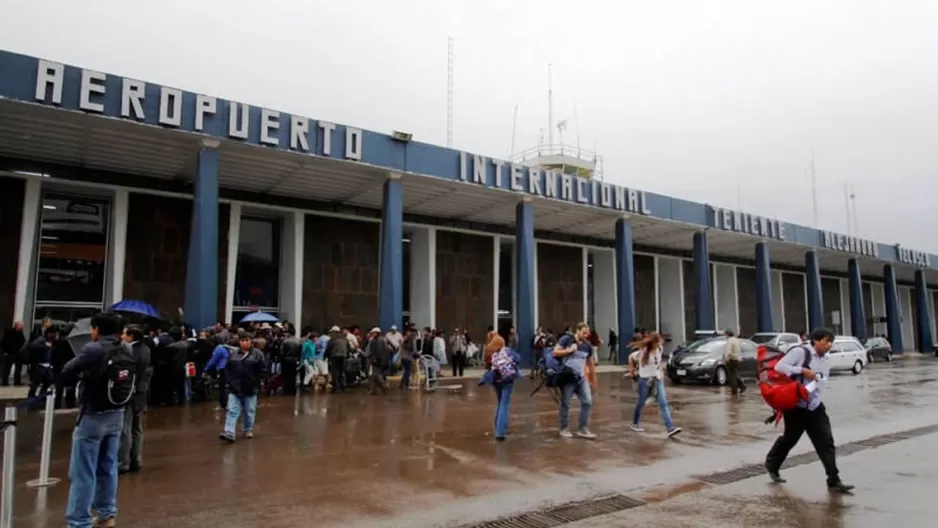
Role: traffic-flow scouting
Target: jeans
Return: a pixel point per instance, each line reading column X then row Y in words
column 459, row 364
column 582, row 390
column 408, row 364
column 39, row 378
column 732, row 376
column 93, row 468
column 237, row 403
column 503, row 394
column 644, row 385
column 131, row 444
column 818, row 426
column 337, row 367
column 378, row 379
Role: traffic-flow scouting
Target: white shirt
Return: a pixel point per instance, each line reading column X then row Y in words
column 651, row 369
column 791, row 365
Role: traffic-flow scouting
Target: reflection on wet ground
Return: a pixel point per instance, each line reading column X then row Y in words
column 429, row 459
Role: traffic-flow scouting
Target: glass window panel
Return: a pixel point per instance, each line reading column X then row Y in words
column 257, row 277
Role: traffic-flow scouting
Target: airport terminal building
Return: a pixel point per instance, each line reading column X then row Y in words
column 115, row 188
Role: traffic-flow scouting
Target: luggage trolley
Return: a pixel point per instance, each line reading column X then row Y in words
column 428, row 368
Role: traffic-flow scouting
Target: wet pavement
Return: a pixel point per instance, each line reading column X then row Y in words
column 413, row 459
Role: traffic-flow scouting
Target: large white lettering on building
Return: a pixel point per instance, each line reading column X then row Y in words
column 749, row 224
column 910, row 256
column 849, row 244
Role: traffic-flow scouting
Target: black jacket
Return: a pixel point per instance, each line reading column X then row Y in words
column 337, row 347
column 380, row 352
column 290, row 349
column 245, row 372
column 13, row 341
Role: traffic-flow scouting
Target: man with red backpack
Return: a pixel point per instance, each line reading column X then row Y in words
column 808, row 363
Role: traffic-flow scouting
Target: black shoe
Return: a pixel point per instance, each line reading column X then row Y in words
column 499, row 438
column 774, row 475
column 742, row 389
column 135, row 469
column 122, row 471
column 839, row 487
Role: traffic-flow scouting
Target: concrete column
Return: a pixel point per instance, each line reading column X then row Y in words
column 391, row 262
column 778, row 302
column 844, row 285
column 702, row 295
column 586, row 300
column 764, row 320
column 604, row 292
column 934, row 319
column 291, row 268
column 878, row 302
column 671, row 295
column 496, row 274
column 812, row 281
column 905, row 317
column 118, row 246
column 625, row 284
column 893, row 315
column 423, row 276
column 726, row 297
column 29, row 230
column 923, row 310
column 525, row 285
column 857, row 311
column 231, row 273
column 201, row 302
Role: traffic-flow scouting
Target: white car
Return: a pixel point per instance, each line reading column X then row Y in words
column 780, row 340
column 847, row 353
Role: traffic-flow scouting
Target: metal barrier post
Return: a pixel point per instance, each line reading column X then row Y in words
column 44, row 480
column 9, row 460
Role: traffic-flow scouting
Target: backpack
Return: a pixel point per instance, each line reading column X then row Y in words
column 504, row 365
column 117, row 376
column 782, row 393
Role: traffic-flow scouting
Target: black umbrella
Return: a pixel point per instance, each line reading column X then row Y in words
column 80, row 335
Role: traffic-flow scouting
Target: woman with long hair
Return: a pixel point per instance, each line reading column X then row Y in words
column 650, row 367
column 503, row 387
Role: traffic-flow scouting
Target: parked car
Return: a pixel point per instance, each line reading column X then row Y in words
column 847, row 353
column 877, row 348
column 780, row 340
column 699, row 335
column 702, row 361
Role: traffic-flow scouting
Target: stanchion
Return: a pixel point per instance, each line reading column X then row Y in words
column 44, row 480
column 9, row 460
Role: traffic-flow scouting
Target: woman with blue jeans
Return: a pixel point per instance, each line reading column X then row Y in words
column 503, row 388
column 650, row 365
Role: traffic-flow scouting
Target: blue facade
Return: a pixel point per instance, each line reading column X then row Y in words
column 625, row 285
column 893, row 315
column 763, row 289
column 201, row 308
column 812, row 277
column 525, row 249
column 857, row 310
column 391, row 282
column 923, row 320
column 703, row 293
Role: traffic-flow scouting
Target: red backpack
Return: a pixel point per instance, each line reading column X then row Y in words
column 782, row 393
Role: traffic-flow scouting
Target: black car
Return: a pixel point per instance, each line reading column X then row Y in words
column 702, row 361
column 877, row 348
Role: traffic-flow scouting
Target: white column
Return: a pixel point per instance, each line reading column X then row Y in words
column 905, row 308
column 496, row 273
column 536, row 288
column 725, row 297
column 27, row 252
column 657, row 275
column 423, row 276
column 586, row 301
column 807, row 316
column 670, row 291
column 234, row 236
column 845, row 308
column 604, row 293
column 291, row 268
column 778, row 302
column 118, row 245
column 878, row 303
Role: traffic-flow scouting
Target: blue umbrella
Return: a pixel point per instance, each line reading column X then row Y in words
column 135, row 307
column 259, row 317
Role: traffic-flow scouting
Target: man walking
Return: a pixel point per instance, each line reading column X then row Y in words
column 732, row 354
column 131, row 445
column 13, row 341
column 336, row 351
column 379, row 354
column 245, row 369
column 808, row 362
column 576, row 353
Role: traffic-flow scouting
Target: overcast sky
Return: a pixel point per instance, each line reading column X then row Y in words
column 718, row 101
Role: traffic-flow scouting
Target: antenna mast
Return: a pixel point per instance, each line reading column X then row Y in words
column 514, row 129
column 847, row 209
column 576, row 123
column 853, row 203
column 550, row 106
column 814, row 192
column 450, row 45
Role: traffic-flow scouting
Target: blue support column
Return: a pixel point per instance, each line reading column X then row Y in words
column 893, row 317
column 857, row 311
column 703, row 296
column 812, row 277
column 625, row 285
column 926, row 342
column 201, row 300
column 391, row 260
column 524, row 286
column 763, row 289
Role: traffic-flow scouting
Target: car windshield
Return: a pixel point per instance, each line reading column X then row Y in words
column 708, row 346
column 762, row 338
column 870, row 342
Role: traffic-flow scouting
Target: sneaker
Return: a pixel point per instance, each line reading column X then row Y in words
column 674, row 431
column 585, row 433
column 839, row 487
column 105, row 523
column 226, row 438
column 637, row 428
column 249, row 434
column 566, row 433
column 774, row 475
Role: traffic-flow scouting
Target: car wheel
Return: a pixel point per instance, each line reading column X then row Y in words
column 857, row 367
column 719, row 377
column 675, row 380
column 870, row 358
